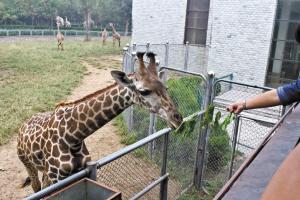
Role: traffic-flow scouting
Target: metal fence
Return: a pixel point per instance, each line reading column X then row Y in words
column 162, row 165
column 50, row 32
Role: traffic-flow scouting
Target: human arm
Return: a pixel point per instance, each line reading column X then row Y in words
column 266, row 99
column 284, row 95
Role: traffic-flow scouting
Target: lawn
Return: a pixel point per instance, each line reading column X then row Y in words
column 34, row 76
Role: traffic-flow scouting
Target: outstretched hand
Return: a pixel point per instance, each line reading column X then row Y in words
column 236, row 107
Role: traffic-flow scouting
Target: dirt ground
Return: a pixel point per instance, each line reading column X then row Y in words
column 101, row 143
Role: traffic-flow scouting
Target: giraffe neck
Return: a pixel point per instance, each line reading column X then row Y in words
column 92, row 112
column 114, row 30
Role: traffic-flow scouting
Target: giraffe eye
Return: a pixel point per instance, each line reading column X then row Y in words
column 145, row 92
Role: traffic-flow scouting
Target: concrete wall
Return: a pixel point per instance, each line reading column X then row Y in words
column 240, row 35
column 158, row 21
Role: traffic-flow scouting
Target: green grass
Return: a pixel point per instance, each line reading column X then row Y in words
column 34, row 76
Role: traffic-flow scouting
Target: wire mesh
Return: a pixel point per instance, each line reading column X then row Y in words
column 132, row 172
column 252, row 127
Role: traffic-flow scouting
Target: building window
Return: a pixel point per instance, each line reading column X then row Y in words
column 196, row 21
column 284, row 60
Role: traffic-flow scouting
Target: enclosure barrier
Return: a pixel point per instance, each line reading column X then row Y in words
column 50, row 32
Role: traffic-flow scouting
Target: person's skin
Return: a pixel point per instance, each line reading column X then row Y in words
column 263, row 100
column 285, row 183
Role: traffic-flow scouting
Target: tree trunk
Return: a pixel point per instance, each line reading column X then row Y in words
column 87, row 16
column 126, row 28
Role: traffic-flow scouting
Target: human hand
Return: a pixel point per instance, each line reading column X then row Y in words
column 236, row 107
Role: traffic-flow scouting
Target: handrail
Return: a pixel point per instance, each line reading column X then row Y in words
column 182, row 71
column 131, row 147
column 248, row 161
column 52, row 188
column 243, row 84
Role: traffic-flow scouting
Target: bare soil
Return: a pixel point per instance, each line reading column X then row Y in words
column 103, row 142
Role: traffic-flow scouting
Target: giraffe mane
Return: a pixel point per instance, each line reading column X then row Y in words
column 89, row 96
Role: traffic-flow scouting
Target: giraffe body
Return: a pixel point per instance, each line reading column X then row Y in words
column 59, row 35
column 104, row 35
column 115, row 35
column 53, row 142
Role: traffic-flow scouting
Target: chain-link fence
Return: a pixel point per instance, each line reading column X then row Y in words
column 49, row 32
column 231, row 143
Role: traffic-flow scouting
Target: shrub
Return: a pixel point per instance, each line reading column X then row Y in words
column 218, row 146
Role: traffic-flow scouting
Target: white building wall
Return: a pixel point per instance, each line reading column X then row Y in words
column 158, row 21
column 239, row 34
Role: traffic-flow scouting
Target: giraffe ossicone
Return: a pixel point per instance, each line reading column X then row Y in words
column 53, row 142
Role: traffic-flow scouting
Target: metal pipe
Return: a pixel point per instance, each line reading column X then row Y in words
column 202, row 137
column 164, row 183
column 234, row 142
column 149, row 187
column 243, row 84
column 132, row 147
column 182, row 71
column 92, row 166
column 186, row 56
column 167, row 47
column 52, row 188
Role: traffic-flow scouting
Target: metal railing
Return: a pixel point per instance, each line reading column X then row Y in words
column 92, row 167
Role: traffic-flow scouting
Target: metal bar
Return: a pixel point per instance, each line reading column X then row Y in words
column 226, row 76
column 149, row 187
column 202, row 137
column 92, row 166
column 167, row 48
column 247, row 162
column 164, row 183
column 234, row 143
column 150, row 132
column 148, row 47
column 243, row 84
column 52, row 188
column 132, row 147
column 182, row 71
column 186, row 56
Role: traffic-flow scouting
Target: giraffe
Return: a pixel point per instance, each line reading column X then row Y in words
column 115, row 34
column 53, row 142
column 67, row 23
column 59, row 35
column 104, row 35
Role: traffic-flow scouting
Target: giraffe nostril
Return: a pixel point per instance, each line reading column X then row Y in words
column 178, row 117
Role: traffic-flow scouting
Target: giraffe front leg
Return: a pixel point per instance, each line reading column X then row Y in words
column 46, row 181
column 33, row 175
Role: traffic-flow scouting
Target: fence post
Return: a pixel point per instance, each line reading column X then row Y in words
column 231, row 78
column 202, row 137
column 164, row 183
column 147, row 47
column 134, row 47
column 167, row 47
column 125, row 49
column 92, row 166
column 234, row 142
column 186, row 56
column 130, row 121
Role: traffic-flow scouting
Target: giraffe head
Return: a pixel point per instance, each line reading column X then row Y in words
column 149, row 91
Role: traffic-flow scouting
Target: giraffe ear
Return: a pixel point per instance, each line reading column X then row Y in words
column 121, row 78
